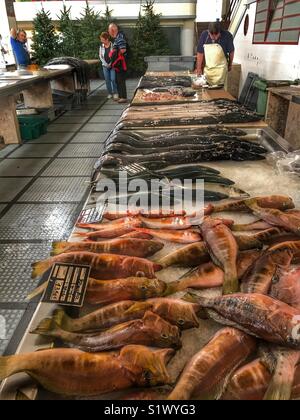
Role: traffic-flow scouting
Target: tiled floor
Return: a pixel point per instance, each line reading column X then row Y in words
column 43, row 185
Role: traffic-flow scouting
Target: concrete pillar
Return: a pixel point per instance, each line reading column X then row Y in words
column 187, row 38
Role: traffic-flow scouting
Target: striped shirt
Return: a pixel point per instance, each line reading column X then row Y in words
column 120, row 42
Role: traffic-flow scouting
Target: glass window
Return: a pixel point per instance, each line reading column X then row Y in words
column 277, row 21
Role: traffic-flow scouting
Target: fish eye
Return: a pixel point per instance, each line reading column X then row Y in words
column 164, row 336
column 181, row 322
column 143, row 287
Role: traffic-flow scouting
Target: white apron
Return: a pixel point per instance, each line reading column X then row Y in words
column 216, row 65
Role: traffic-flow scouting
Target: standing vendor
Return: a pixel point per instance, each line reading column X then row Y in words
column 18, row 40
column 215, row 54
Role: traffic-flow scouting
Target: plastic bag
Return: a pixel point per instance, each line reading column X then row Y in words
column 200, row 81
column 285, row 162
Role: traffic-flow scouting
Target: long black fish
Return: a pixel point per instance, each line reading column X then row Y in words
column 125, row 148
column 162, row 160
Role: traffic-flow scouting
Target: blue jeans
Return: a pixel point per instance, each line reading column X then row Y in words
column 110, row 79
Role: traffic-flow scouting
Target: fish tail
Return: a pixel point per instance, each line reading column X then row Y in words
column 231, row 284
column 62, row 320
column 37, row 291
column 251, row 202
column 48, row 328
column 172, row 288
column 278, row 390
column 8, row 367
column 59, row 248
column 80, row 234
column 201, row 301
column 239, row 228
column 281, row 385
column 40, row 267
column 157, row 267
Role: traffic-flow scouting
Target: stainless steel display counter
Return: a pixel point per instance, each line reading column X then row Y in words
column 257, row 178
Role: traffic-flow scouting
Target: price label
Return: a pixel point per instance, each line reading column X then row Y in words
column 67, row 285
column 92, row 215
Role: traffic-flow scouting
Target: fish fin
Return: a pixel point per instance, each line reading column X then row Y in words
column 59, row 248
column 40, row 267
column 7, row 367
column 38, row 291
column 138, row 307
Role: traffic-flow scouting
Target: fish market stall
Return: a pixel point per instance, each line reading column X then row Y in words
column 166, row 288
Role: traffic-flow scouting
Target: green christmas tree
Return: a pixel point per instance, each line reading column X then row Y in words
column 148, row 38
column 106, row 20
column 45, row 38
column 90, row 30
column 69, row 39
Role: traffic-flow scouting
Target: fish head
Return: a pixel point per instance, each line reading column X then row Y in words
column 210, row 223
column 147, row 367
column 164, row 334
column 148, row 288
column 178, row 312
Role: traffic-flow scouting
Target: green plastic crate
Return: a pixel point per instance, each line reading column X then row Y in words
column 262, row 86
column 32, row 126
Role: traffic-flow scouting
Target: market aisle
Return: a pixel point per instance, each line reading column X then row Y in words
column 43, row 185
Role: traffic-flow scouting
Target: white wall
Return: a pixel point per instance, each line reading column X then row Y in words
column 271, row 62
column 209, row 10
column 25, row 12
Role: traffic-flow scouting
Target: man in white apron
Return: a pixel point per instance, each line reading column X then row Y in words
column 215, row 54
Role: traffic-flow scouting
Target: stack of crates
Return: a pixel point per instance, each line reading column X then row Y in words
column 32, row 126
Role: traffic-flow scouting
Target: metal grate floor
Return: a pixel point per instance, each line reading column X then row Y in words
column 53, row 138
column 91, row 137
column 43, row 184
column 9, row 320
column 21, row 167
column 62, row 189
column 82, row 150
column 37, row 222
column 67, row 167
column 10, row 187
column 16, row 281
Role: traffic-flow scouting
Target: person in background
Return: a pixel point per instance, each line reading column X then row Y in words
column 105, row 52
column 18, row 40
column 215, row 54
column 118, row 60
column 2, row 56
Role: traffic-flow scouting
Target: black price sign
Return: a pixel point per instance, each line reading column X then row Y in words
column 92, row 215
column 67, row 285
